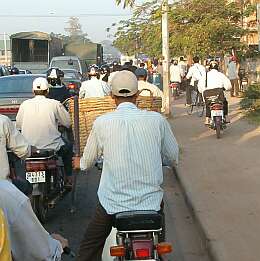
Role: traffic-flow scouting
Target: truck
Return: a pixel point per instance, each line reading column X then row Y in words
column 87, row 52
column 33, row 51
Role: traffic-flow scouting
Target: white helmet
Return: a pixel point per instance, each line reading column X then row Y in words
column 40, row 84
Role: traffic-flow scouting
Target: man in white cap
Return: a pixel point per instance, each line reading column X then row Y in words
column 133, row 143
column 39, row 118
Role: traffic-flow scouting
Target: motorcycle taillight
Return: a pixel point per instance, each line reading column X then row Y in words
column 35, row 165
column 142, row 249
column 216, row 107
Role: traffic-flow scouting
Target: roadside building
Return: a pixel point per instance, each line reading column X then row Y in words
column 5, row 55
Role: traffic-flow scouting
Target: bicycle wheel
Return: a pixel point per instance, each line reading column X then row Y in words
column 200, row 108
column 189, row 109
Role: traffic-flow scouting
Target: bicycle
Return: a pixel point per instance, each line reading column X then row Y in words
column 197, row 102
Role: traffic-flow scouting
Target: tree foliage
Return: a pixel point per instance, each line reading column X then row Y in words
column 196, row 26
column 74, row 29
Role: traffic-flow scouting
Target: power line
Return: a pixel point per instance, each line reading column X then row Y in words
column 61, row 16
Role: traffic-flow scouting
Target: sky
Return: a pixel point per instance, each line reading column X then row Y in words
column 17, row 16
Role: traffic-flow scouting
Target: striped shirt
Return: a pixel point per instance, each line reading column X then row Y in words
column 133, row 143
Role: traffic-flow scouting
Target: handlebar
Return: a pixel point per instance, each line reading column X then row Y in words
column 69, row 252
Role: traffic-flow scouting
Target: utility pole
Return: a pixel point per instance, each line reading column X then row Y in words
column 166, row 56
column 258, row 23
column 5, row 44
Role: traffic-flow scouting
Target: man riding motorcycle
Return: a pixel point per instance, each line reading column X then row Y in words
column 13, row 140
column 93, row 87
column 213, row 83
column 39, row 119
column 134, row 143
column 57, row 90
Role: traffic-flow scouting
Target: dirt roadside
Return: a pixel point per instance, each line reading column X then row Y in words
column 222, row 180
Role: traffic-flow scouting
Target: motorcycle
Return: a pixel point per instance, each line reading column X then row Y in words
column 174, row 86
column 45, row 171
column 218, row 122
column 137, row 236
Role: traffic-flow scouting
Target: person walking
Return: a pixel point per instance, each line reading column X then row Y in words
column 232, row 73
column 134, row 143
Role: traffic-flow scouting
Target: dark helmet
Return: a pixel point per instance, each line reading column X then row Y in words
column 14, row 71
column 213, row 65
column 54, row 76
column 105, row 69
column 140, row 72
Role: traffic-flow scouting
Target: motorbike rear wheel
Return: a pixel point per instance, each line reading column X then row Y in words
column 218, row 128
column 40, row 208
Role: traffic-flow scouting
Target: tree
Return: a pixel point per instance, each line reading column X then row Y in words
column 75, row 30
column 196, row 27
column 126, row 3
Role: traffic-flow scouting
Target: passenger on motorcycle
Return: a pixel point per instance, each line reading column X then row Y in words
column 134, row 143
column 141, row 75
column 214, row 83
column 93, row 87
column 39, row 119
column 29, row 240
column 57, row 90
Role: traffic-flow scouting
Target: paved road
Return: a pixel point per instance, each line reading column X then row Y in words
column 181, row 230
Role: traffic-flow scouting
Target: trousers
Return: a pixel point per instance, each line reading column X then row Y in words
column 98, row 230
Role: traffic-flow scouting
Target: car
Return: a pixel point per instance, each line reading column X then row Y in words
column 66, row 62
column 14, row 89
column 72, row 78
column 4, row 70
column 23, row 71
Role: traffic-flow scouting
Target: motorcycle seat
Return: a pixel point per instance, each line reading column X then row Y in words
column 43, row 153
column 138, row 220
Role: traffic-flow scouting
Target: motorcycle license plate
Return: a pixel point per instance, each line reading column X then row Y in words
column 36, row 177
column 216, row 113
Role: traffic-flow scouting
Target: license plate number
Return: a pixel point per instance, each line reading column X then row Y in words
column 217, row 113
column 36, row 177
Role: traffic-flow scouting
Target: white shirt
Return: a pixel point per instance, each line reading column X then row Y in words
column 215, row 79
column 153, row 88
column 175, row 73
column 29, row 240
column 11, row 139
column 183, row 67
column 196, row 72
column 134, row 143
column 92, row 88
column 232, row 70
column 39, row 118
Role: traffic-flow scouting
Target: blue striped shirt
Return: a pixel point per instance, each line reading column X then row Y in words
column 134, row 143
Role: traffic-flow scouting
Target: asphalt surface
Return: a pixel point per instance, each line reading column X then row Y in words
column 180, row 227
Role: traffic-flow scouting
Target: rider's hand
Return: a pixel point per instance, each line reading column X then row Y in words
column 76, row 163
column 33, row 150
column 64, row 242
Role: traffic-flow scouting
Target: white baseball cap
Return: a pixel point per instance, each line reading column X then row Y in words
column 124, row 84
column 40, row 84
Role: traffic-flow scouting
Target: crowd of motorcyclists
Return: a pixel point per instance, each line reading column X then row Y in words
column 133, row 149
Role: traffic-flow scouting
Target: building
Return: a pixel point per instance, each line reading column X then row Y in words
column 5, row 55
column 249, row 23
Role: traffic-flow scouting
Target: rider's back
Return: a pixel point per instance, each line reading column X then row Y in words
column 133, row 142
column 38, row 119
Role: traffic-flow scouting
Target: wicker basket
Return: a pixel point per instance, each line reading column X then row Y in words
column 91, row 108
